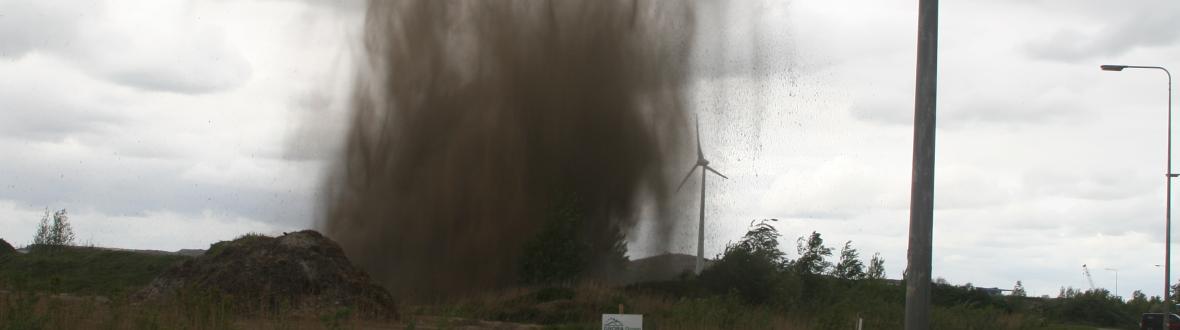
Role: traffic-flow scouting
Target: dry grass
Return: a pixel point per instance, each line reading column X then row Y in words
column 578, row 307
column 582, row 306
column 21, row 310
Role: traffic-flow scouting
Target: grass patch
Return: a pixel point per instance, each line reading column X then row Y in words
column 249, row 239
column 82, row 270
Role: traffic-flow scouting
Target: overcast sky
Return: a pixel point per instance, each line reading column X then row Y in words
column 175, row 124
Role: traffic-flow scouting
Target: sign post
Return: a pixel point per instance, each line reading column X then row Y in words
column 622, row 321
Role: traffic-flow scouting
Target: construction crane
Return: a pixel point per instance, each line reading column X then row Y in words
column 1089, row 278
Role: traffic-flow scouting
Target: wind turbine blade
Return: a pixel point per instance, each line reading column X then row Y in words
column 707, row 167
column 700, row 154
column 690, row 172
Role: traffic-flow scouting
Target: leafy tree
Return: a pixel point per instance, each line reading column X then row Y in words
column 1016, row 300
column 571, row 246
column 1138, row 296
column 1018, row 290
column 1139, row 303
column 849, row 267
column 1096, row 306
column 1175, row 290
column 751, row 267
column 612, row 257
column 812, row 255
column 54, row 231
column 557, row 254
column 762, row 241
column 876, row 267
column 1069, row 292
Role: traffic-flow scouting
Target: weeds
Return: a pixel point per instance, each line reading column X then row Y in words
column 336, row 319
column 20, row 314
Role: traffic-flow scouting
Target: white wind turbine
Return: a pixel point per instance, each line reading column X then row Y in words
column 704, row 164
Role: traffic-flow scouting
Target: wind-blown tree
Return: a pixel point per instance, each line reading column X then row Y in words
column 562, row 253
column 1016, row 300
column 876, row 267
column 751, row 267
column 1095, row 306
column 54, row 230
column 812, row 255
column 556, row 254
column 850, row 267
column 1018, row 290
column 1139, row 303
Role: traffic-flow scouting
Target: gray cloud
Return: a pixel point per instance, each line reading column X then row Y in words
column 26, row 26
column 1150, row 26
column 885, row 108
column 118, row 185
column 1099, row 185
column 49, row 120
column 996, row 108
column 185, row 80
column 174, row 52
column 39, row 108
column 999, row 110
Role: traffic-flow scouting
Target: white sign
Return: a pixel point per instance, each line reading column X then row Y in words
column 622, row 321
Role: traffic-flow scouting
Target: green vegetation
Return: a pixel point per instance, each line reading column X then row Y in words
column 54, row 231
column 564, row 250
column 754, row 285
column 557, row 254
column 753, row 268
column 194, row 309
column 6, row 248
column 81, row 271
column 248, row 240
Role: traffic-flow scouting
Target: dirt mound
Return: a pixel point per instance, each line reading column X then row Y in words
column 301, row 270
column 6, row 248
column 664, row 267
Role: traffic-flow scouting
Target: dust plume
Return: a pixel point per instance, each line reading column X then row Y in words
column 470, row 119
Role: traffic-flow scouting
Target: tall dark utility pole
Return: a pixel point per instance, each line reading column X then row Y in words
column 917, row 293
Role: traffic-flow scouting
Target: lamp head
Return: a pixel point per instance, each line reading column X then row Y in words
column 1109, row 67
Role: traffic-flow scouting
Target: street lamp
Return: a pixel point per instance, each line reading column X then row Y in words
column 1116, row 281
column 1167, row 203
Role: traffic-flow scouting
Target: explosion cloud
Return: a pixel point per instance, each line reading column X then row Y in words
column 472, row 119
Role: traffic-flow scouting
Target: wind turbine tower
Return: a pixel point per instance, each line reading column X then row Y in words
column 704, row 165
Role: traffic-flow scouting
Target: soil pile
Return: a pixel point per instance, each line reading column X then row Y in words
column 664, row 267
column 301, row 270
column 6, row 248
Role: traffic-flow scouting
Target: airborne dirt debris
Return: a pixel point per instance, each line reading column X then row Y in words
column 470, row 120
column 304, row 271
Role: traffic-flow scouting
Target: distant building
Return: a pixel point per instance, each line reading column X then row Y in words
column 993, row 291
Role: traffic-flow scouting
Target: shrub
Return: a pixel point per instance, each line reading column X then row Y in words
column 55, row 231
column 850, row 267
column 753, row 267
column 564, row 251
column 556, row 254
column 812, row 255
